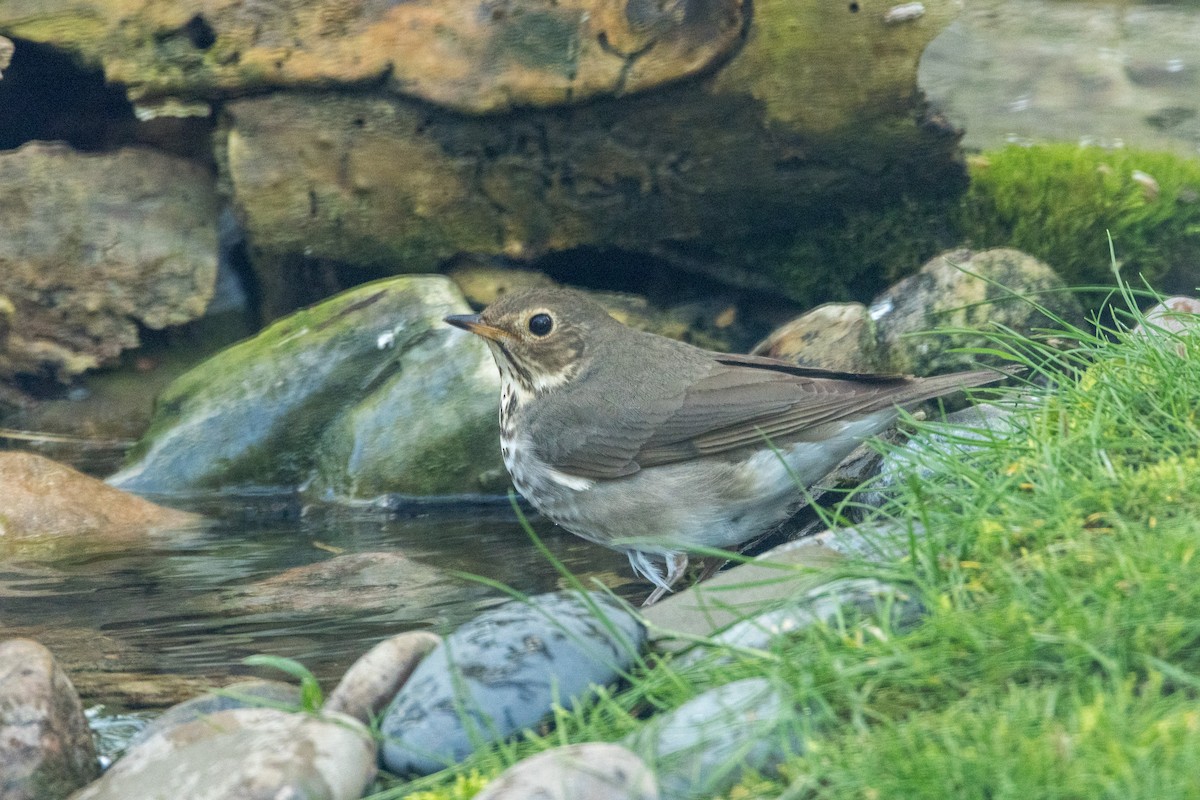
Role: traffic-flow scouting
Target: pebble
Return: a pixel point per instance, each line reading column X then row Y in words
column 591, row 771
column 503, row 672
column 704, row 747
column 373, row 680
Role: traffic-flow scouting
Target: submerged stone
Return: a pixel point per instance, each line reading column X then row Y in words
column 504, row 671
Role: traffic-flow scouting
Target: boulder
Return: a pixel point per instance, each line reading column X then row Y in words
column 457, row 53
column 46, row 748
column 92, row 245
column 364, row 394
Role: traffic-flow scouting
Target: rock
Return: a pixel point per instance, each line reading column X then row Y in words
column 366, row 393
column 43, row 498
column 451, row 52
column 244, row 694
column 703, row 747
column 947, row 294
column 698, row 174
column 349, row 582
column 590, row 771
column 739, row 593
column 245, row 753
column 939, row 445
column 78, row 277
column 824, row 605
column 1173, row 315
column 374, row 679
column 502, row 672
column 46, row 748
column 834, row 336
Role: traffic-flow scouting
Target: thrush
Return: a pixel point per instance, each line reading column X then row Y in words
column 652, row 446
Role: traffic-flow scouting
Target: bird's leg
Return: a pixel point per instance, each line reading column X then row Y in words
column 676, row 564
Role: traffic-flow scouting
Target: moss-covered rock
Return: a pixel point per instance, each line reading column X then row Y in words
column 270, row 410
column 927, row 323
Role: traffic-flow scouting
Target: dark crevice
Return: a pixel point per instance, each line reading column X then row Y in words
column 49, row 96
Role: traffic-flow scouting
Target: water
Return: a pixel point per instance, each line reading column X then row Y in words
column 184, row 608
column 1112, row 73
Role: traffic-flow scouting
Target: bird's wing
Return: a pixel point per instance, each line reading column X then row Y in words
column 736, row 403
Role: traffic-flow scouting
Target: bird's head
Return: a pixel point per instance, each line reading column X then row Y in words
column 539, row 337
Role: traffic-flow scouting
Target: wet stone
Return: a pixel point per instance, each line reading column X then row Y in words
column 246, row 694
column 703, row 747
column 590, row 771
column 504, row 671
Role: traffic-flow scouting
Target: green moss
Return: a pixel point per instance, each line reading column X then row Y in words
column 1058, row 201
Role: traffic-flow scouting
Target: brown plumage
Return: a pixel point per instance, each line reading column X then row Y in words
column 650, row 445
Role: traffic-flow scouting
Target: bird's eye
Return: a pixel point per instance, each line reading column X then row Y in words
column 540, row 324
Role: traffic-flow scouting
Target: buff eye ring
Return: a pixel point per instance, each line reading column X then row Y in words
column 541, row 324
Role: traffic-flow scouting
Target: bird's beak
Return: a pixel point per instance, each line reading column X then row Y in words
column 472, row 323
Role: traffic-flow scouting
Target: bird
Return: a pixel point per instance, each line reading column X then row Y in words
column 652, row 446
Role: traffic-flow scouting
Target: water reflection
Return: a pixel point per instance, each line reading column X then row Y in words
column 320, row 586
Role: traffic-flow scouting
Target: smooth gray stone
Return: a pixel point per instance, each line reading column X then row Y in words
column 504, row 671
column 590, row 771
column 247, row 754
column 823, row 606
column 704, row 747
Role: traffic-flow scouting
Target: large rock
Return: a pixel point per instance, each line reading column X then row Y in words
column 46, row 748
column 463, row 54
column 94, row 245
column 245, row 753
column 366, row 393
column 503, row 671
column 41, row 498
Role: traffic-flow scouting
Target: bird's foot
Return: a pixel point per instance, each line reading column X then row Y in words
column 676, row 564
